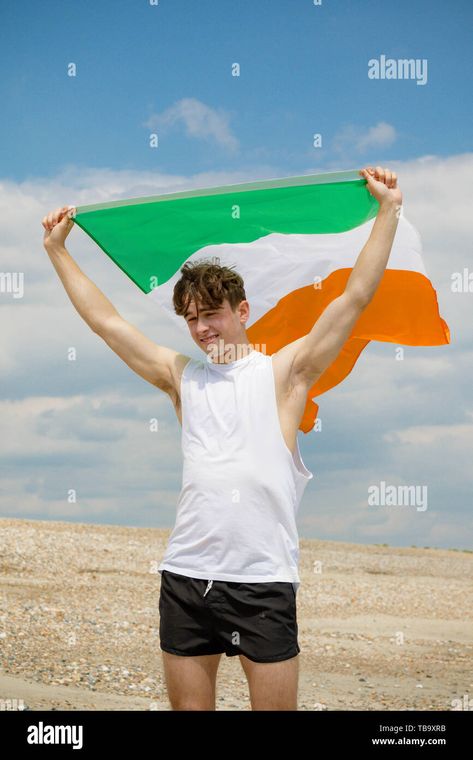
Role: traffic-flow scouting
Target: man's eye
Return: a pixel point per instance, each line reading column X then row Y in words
column 209, row 313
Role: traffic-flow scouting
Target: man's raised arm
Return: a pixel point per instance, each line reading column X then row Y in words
column 158, row 365
column 319, row 348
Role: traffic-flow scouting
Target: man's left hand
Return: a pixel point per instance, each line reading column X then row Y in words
column 382, row 184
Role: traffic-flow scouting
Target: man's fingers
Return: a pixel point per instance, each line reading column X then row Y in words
column 55, row 216
column 367, row 173
column 58, row 215
column 379, row 174
column 386, row 176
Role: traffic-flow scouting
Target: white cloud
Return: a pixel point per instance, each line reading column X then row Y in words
column 406, row 421
column 359, row 140
column 101, row 446
column 199, row 119
column 431, row 435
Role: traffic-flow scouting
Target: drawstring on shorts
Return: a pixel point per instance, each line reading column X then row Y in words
column 209, row 586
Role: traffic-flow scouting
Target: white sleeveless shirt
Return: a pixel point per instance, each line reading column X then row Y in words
column 241, row 485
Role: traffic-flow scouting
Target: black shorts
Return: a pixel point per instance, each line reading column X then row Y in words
column 199, row 617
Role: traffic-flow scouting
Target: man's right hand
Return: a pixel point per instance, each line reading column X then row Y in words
column 57, row 226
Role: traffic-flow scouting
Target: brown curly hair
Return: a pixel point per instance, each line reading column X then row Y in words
column 206, row 280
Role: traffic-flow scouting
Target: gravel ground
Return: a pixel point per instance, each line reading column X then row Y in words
column 379, row 627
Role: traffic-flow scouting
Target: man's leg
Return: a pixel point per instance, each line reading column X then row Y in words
column 190, row 681
column 273, row 685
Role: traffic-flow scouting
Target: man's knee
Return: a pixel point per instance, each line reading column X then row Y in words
column 191, row 704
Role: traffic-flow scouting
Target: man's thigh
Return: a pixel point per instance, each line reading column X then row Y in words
column 190, row 681
column 272, row 685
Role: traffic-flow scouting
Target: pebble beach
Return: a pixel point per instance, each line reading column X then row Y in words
column 380, row 627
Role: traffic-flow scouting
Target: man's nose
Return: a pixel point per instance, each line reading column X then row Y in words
column 202, row 326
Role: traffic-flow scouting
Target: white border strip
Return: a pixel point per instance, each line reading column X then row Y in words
column 240, row 187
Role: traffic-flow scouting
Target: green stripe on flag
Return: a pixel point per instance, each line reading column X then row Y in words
column 151, row 238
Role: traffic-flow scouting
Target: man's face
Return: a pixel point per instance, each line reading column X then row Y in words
column 212, row 327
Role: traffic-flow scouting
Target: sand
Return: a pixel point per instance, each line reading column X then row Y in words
column 380, row 628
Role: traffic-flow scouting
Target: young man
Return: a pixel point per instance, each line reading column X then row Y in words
column 229, row 575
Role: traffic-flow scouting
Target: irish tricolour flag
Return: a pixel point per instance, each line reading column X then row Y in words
column 294, row 241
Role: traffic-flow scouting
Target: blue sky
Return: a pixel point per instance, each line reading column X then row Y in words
column 84, row 425
column 303, row 70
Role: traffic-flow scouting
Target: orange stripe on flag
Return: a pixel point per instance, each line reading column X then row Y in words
column 404, row 310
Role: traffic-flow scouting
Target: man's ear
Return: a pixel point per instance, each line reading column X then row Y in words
column 244, row 309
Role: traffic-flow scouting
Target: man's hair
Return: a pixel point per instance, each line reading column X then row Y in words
column 209, row 282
